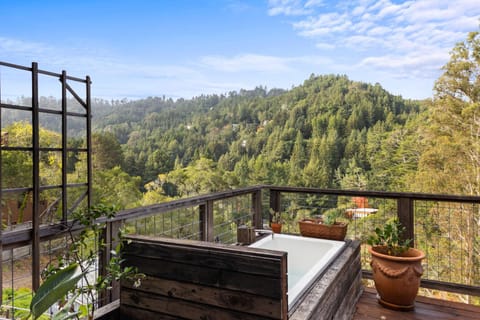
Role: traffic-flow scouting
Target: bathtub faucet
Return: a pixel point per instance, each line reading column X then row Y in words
column 263, row 231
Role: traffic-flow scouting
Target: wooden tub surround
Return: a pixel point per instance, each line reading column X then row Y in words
column 199, row 280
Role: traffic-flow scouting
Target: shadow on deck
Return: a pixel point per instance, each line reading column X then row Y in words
column 425, row 309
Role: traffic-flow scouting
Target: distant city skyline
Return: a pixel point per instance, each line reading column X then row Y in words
column 185, row 48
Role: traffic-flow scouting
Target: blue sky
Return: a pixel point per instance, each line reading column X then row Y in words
column 183, row 48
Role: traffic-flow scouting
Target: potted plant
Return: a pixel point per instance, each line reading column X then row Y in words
column 277, row 221
column 326, row 227
column 396, row 267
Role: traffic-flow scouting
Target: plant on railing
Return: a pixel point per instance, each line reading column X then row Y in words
column 61, row 280
column 279, row 218
column 389, row 239
column 276, row 216
column 325, row 226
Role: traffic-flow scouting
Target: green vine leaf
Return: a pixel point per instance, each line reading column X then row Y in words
column 55, row 288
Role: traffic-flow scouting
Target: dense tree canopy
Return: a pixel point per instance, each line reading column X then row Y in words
column 305, row 136
column 452, row 132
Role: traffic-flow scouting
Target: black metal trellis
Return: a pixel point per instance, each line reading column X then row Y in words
column 35, row 149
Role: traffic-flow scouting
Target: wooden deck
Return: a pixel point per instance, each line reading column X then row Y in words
column 425, row 309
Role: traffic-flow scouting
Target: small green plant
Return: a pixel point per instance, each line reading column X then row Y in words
column 280, row 217
column 60, row 285
column 331, row 215
column 388, row 239
column 16, row 302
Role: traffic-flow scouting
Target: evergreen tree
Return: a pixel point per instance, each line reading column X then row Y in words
column 450, row 162
column 107, row 152
column 453, row 133
column 297, row 162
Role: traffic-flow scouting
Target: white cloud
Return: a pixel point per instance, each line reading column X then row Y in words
column 260, row 63
column 360, row 42
column 314, row 3
column 18, row 46
column 323, row 24
column 27, row 50
column 405, row 66
column 389, row 10
column 288, row 7
column 324, row 46
column 409, row 38
column 358, row 10
column 379, row 31
column 246, row 62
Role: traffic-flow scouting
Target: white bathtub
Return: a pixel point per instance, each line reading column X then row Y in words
column 307, row 258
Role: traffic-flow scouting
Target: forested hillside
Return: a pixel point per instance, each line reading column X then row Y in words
column 328, row 132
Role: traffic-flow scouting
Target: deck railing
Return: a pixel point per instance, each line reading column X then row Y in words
column 446, row 227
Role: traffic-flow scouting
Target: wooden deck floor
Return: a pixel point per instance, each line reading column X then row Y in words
column 425, row 309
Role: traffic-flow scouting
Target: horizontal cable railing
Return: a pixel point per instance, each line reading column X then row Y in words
column 445, row 227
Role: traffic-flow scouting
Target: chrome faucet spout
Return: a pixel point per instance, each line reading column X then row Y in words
column 263, row 231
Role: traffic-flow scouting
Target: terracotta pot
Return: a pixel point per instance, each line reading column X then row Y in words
column 276, row 227
column 397, row 279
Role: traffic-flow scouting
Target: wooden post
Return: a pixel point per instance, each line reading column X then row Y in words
column 257, row 219
column 202, row 212
column 206, row 221
column 89, row 141
column 406, row 217
column 110, row 238
column 210, row 222
column 2, row 143
column 64, row 148
column 275, row 201
column 36, row 181
column 1, row 264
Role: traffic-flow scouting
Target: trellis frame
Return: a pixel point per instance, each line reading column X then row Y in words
column 35, row 149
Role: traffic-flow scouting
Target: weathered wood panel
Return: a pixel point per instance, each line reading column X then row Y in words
column 135, row 313
column 229, row 299
column 202, row 254
column 208, row 276
column 180, row 308
column 197, row 280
